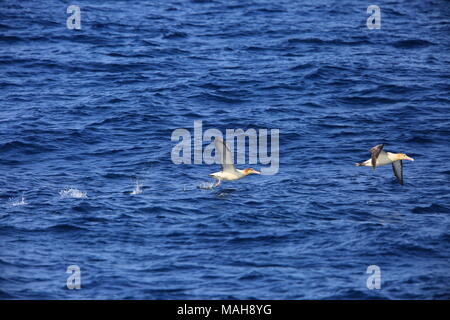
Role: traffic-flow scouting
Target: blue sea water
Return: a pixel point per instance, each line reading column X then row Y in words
column 84, row 114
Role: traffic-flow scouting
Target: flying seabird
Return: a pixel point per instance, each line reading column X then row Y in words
column 381, row 158
column 229, row 172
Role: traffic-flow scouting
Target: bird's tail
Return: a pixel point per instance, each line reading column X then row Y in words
column 359, row 164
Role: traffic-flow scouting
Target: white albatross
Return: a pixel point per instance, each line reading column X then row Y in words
column 380, row 158
column 229, row 172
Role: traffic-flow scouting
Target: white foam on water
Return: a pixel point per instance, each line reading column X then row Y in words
column 206, row 185
column 73, row 193
column 137, row 188
column 16, row 202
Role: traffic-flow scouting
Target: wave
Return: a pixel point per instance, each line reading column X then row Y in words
column 175, row 35
column 329, row 42
column 26, row 147
column 6, row 295
column 411, row 44
column 302, row 66
column 434, row 208
column 63, row 227
column 217, row 98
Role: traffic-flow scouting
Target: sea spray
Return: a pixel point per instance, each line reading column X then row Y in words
column 72, row 193
column 137, row 188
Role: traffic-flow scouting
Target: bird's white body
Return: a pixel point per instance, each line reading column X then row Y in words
column 228, row 175
column 229, row 172
column 383, row 159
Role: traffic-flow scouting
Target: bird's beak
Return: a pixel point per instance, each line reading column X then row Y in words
column 257, row 172
column 408, row 158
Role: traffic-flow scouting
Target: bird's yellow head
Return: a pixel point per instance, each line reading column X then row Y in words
column 250, row 171
column 402, row 156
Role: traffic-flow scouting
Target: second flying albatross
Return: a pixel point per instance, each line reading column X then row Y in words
column 229, row 172
column 381, row 158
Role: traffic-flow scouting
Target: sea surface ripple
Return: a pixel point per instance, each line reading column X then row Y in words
column 86, row 118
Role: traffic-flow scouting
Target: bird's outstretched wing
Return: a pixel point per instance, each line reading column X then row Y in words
column 375, row 151
column 224, row 155
column 397, row 166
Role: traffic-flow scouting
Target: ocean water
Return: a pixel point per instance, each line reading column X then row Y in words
column 86, row 118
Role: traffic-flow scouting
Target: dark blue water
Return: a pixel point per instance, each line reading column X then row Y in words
column 84, row 113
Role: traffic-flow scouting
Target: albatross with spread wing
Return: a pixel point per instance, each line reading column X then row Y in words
column 229, row 172
column 380, row 158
